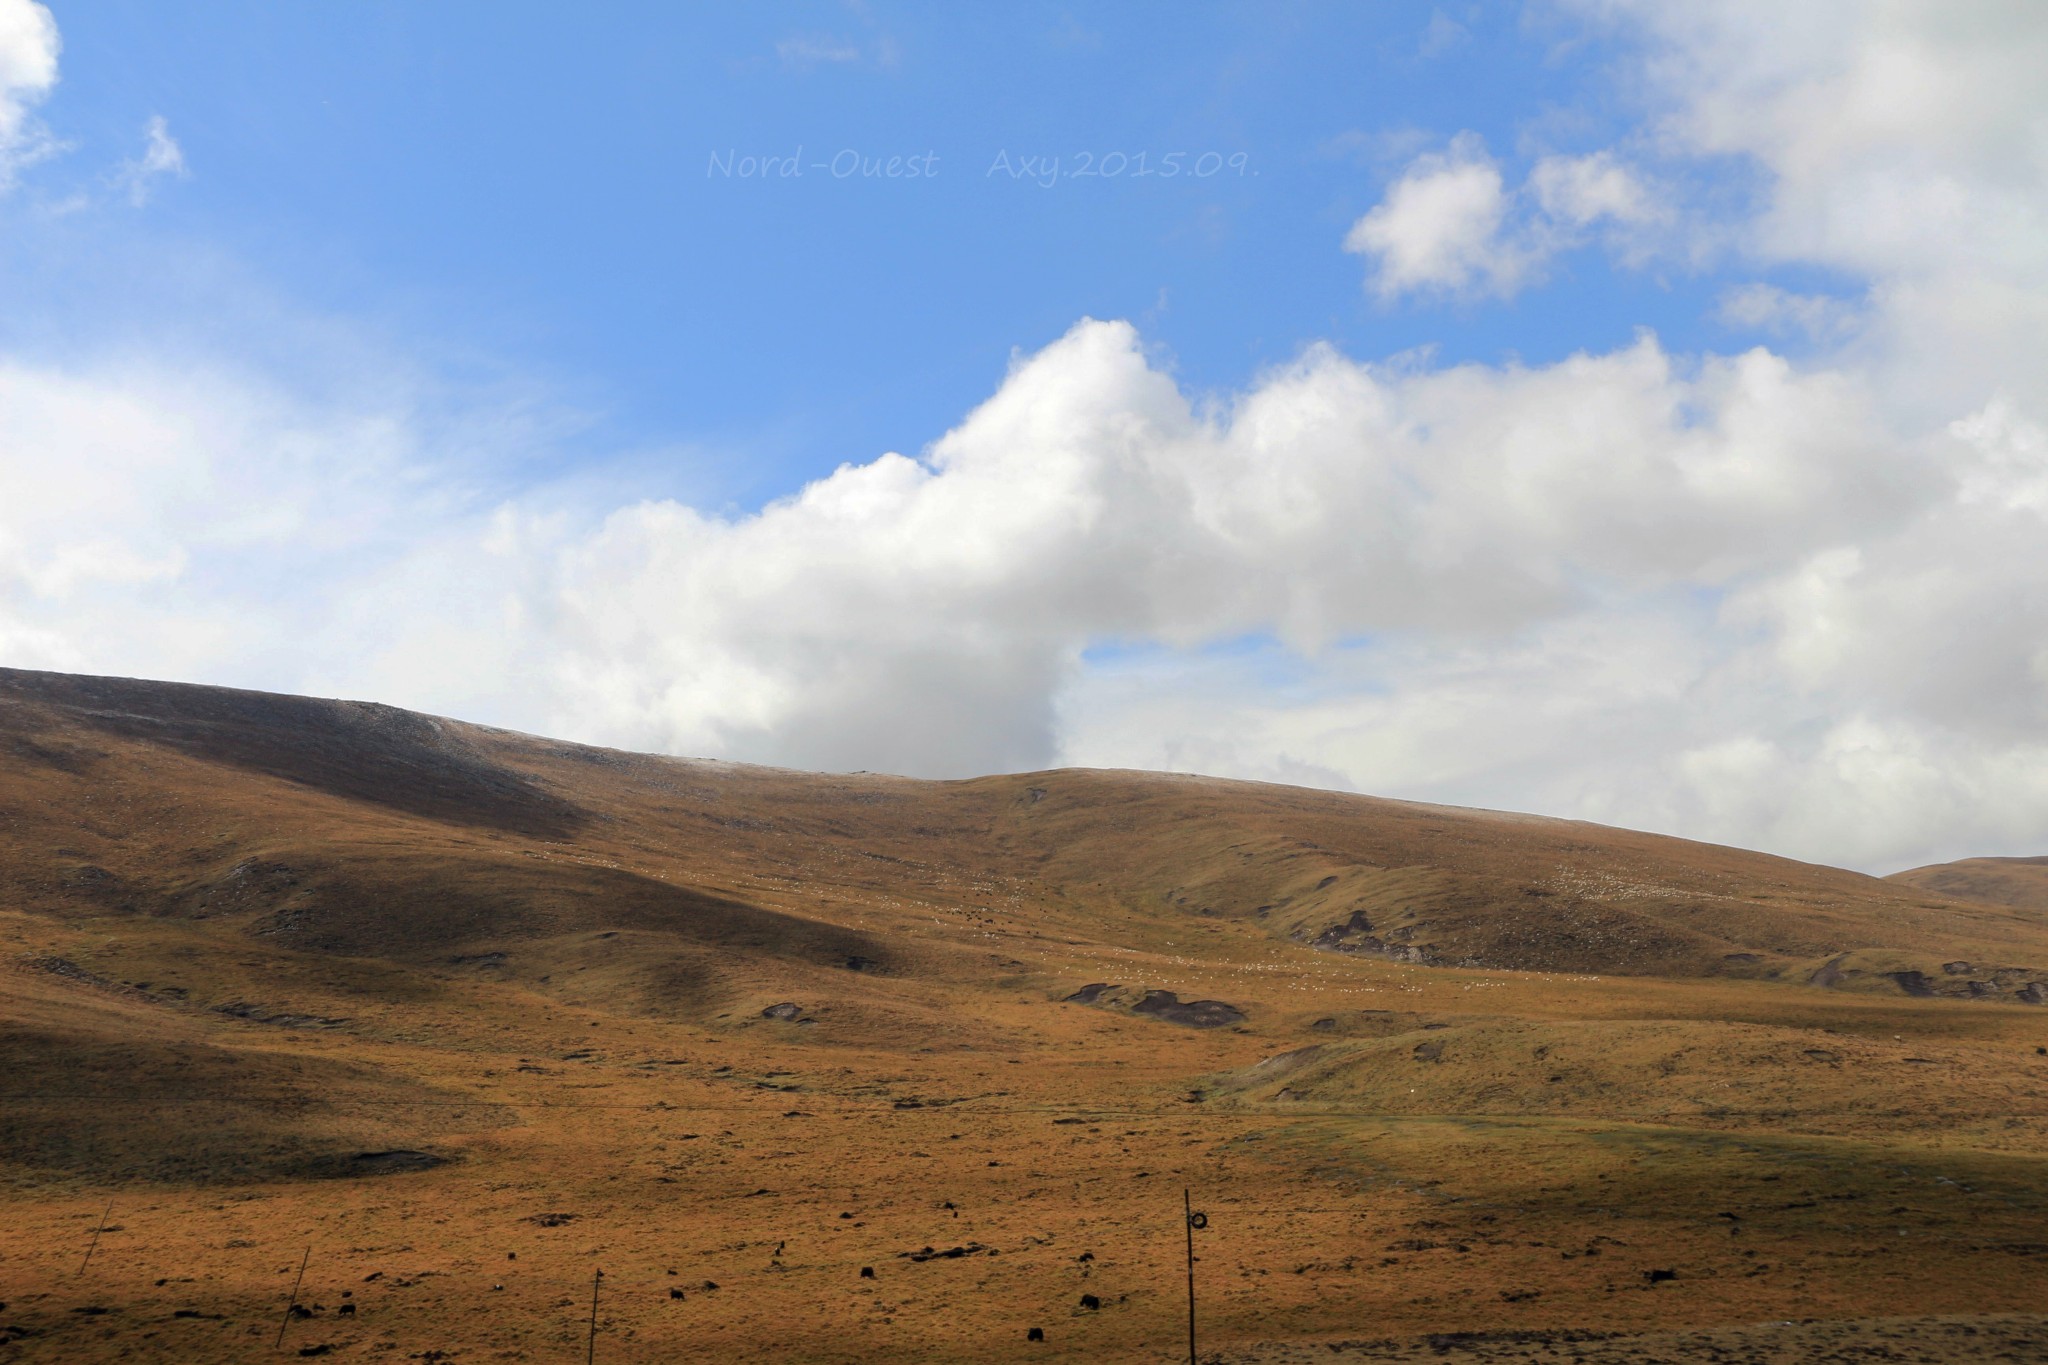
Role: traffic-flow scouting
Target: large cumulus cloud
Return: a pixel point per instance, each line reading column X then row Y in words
column 1789, row 603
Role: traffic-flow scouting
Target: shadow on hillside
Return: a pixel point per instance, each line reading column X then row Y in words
column 355, row 750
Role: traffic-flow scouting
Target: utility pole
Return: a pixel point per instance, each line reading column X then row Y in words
column 595, row 1280
column 1194, row 1220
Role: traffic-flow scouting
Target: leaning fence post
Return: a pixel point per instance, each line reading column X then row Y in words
column 93, row 1245
column 295, row 1297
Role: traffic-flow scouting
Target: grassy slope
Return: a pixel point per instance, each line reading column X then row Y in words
column 250, row 938
column 2018, row 883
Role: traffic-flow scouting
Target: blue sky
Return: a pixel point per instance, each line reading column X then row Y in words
column 1618, row 409
column 528, row 189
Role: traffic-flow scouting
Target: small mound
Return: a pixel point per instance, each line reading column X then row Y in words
column 1158, row 1004
column 1193, row 1013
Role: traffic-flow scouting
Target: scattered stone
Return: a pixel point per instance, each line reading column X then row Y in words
column 785, row 1010
column 552, row 1220
column 1914, row 984
column 1659, row 1276
column 256, row 1014
column 1194, row 1013
column 1354, row 935
column 950, row 1254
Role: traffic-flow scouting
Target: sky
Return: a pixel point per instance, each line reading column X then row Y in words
column 1608, row 409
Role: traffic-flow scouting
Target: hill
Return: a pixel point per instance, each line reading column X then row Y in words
column 2017, row 883
column 435, row 995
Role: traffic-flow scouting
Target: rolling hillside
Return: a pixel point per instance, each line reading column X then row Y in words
column 412, row 983
column 2017, row 883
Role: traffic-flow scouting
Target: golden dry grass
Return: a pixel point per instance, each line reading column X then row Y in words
column 249, row 940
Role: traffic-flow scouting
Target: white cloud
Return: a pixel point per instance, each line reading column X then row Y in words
column 809, row 49
column 1903, row 143
column 1819, row 317
column 161, row 156
column 1451, row 225
column 1579, row 191
column 1708, row 596
column 804, row 51
column 1440, row 228
column 1516, row 538
column 1441, row 34
column 28, row 71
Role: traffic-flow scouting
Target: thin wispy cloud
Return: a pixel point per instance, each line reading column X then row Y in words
column 161, row 158
column 813, row 49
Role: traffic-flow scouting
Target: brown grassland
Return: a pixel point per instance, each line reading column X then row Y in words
column 462, row 1018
